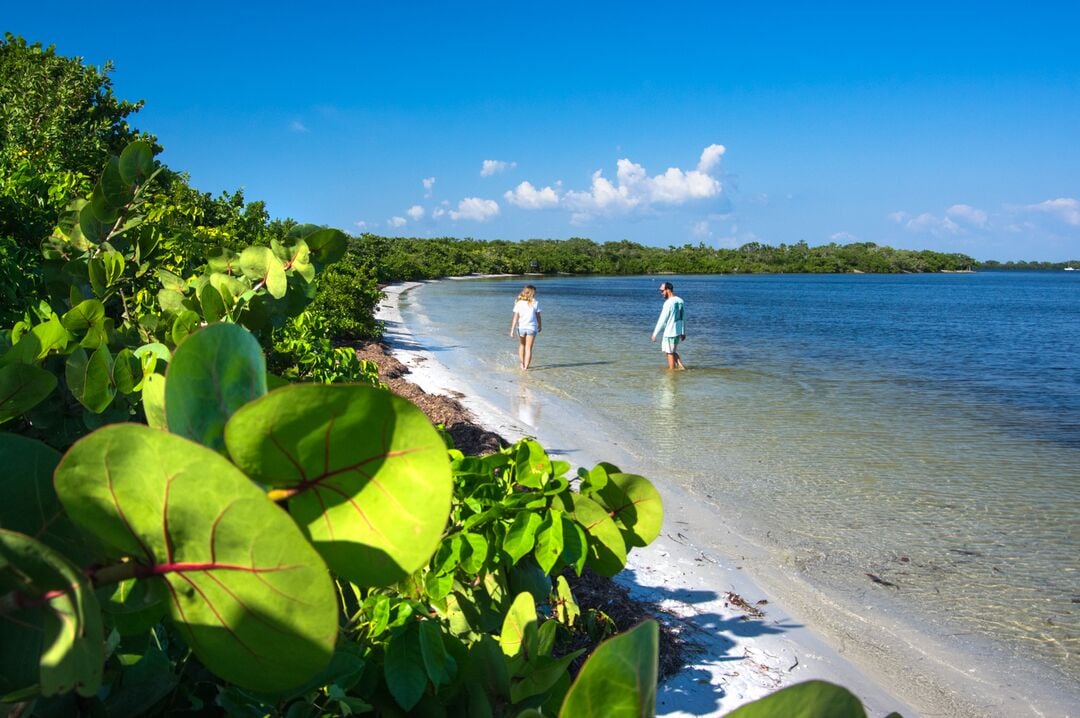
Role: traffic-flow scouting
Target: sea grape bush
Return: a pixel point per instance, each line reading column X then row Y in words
column 314, row 533
column 116, row 309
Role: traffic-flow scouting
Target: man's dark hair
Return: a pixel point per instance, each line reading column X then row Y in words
column 668, row 286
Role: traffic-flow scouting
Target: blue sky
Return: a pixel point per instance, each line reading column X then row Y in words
column 947, row 126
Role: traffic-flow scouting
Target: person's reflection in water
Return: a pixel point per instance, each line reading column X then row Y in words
column 666, row 426
column 525, row 406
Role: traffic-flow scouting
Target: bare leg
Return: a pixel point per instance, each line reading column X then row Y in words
column 678, row 361
column 521, row 351
column 671, row 360
column 527, row 359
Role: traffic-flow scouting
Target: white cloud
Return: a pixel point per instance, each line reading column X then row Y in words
column 847, row 237
column 416, row 212
column 494, row 167
column 476, row 209
column 438, row 212
column 701, row 229
column 926, row 223
column 1066, row 209
column 967, row 213
column 397, row 222
column 528, row 197
column 636, row 190
column 361, row 224
column 428, row 183
column 298, row 126
column 710, row 157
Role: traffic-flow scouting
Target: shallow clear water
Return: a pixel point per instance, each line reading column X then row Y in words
column 922, row 428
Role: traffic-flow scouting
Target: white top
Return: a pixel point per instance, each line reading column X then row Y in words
column 526, row 314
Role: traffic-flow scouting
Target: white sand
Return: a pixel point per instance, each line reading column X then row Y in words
column 738, row 660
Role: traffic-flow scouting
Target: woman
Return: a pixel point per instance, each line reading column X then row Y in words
column 527, row 320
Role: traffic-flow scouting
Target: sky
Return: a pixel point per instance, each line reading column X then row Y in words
column 952, row 126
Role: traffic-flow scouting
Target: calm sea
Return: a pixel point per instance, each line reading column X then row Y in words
column 921, row 428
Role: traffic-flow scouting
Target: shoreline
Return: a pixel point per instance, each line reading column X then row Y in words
column 733, row 657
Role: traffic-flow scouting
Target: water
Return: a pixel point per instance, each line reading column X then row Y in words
column 921, row 428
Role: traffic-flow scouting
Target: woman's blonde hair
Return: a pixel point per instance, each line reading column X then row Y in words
column 528, row 294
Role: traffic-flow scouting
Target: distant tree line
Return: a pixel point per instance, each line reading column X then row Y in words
column 993, row 265
column 410, row 258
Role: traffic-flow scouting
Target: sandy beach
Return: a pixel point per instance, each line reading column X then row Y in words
column 735, row 656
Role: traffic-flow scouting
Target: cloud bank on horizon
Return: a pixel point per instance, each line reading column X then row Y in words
column 633, row 192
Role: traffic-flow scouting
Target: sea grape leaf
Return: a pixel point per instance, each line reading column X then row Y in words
column 607, row 550
column 90, row 378
column 249, row 594
column 126, row 371
column 810, row 699
column 544, row 672
column 519, row 631
column 136, row 606
column 532, row 466
column 136, row 162
column 260, row 264
column 635, row 506
column 212, row 374
column 440, row 666
column 22, row 387
column 184, row 325
column 117, row 191
column 87, row 318
column 619, row 679
column 549, row 541
column 142, row 685
column 153, row 396
column 300, row 261
column 521, row 537
column 30, row 505
column 327, row 245
column 212, row 304
column 474, row 552
column 365, row 473
column 575, row 550
column 54, row 637
column 406, row 676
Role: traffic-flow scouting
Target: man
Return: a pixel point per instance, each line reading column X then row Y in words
column 671, row 322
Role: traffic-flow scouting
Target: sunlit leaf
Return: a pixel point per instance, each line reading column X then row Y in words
column 249, row 594
column 212, row 374
column 635, row 505
column 607, row 550
column 619, row 679
column 519, row 627
column 90, row 378
column 363, row 471
column 521, row 537
column 812, row 699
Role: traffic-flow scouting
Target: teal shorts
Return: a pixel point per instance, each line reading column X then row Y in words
column 669, row 344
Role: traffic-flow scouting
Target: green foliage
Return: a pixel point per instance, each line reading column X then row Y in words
column 402, row 259
column 117, row 307
column 442, row 562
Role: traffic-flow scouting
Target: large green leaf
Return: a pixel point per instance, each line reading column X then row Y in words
column 519, row 631
column 607, row 550
column 549, row 541
column 364, row 472
column 215, row 372
column 136, row 162
column 260, row 264
column 88, row 319
column 327, row 245
column 440, row 665
column 250, row 595
column 30, row 505
column 406, row 676
column 619, row 679
column 22, row 387
column 53, row 637
column 635, row 505
column 812, row 699
column 90, row 378
column 521, row 537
